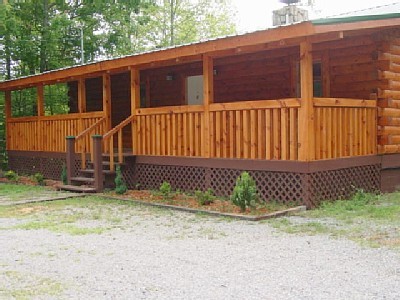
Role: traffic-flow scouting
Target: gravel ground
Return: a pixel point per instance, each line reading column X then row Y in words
column 156, row 254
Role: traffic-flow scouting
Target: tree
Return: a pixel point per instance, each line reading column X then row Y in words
column 174, row 22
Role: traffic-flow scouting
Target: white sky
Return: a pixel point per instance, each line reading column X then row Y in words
column 257, row 14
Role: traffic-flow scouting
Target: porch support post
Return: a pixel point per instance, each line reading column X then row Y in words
column 326, row 80
column 98, row 163
column 40, row 101
column 40, row 113
column 70, row 158
column 81, row 109
column 7, row 109
column 306, row 113
column 81, row 96
column 208, row 98
column 135, row 104
column 107, row 100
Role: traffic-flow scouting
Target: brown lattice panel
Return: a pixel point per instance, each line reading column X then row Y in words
column 283, row 187
column 50, row 167
column 152, row 176
column 341, row 184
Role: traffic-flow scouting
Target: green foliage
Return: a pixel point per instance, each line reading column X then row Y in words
column 205, row 198
column 166, row 190
column 64, row 177
column 11, row 175
column 245, row 192
column 358, row 202
column 120, row 186
column 39, row 178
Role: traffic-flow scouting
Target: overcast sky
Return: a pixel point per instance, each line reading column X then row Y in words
column 257, row 14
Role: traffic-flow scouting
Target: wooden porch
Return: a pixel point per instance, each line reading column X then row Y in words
column 301, row 93
column 267, row 130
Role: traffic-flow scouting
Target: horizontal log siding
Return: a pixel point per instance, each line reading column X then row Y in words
column 47, row 133
column 353, row 68
column 389, row 96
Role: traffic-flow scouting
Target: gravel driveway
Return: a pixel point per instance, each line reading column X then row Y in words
column 158, row 254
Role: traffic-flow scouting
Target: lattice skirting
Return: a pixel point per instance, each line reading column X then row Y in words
column 292, row 185
column 30, row 163
column 49, row 164
column 284, row 187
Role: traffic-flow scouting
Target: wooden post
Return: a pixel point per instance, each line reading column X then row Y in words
column 208, row 98
column 306, row 113
column 107, row 99
column 40, row 112
column 40, row 101
column 326, row 80
column 98, row 163
column 8, row 115
column 135, row 104
column 81, row 96
column 70, row 158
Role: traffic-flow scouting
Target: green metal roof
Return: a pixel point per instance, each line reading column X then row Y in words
column 382, row 12
column 329, row 21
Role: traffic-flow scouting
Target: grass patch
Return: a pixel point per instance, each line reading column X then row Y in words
column 369, row 219
column 18, row 192
column 75, row 216
column 29, row 286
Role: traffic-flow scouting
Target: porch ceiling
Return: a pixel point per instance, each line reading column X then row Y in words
column 256, row 41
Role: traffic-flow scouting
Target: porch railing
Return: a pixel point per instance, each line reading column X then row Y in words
column 344, row 127
column 174, row 130
column 84, row 141
column 266, row 129
column 47, row 133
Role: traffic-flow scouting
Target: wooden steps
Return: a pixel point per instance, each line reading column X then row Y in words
column 77, row 188
column 84, row 181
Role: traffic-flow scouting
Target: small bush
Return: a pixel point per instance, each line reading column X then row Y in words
column 205, row 198
column 64, row 178
column 11, row 175
column 245, row 192
column 166, row 190
column 39, row 178
column 120, row 186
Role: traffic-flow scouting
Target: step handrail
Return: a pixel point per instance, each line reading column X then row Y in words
column 82, row 146
column 108, row 137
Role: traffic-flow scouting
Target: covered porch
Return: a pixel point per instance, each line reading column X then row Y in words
column 302, row 93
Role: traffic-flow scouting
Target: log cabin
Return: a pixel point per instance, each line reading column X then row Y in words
column 311, row 110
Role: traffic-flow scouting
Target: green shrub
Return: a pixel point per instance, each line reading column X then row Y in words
column 11, row 175
column 245, row 192
column 39, row 178
column 166, row 190
column 64, row 178
column 205, row 198
column 120, row 186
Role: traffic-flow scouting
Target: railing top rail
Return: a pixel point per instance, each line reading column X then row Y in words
column 72, row 116
column 169, row 110
column 344, row 102
column 90, row 128
column 257, row 104
column 118, row 127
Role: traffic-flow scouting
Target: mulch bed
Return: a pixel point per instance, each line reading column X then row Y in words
column 219, row 207
column 27, row 180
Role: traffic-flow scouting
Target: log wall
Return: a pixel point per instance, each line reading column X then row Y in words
column 352, row 67
column 389, row 96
